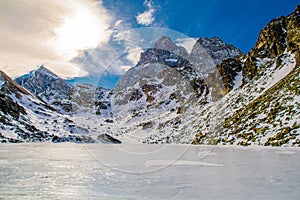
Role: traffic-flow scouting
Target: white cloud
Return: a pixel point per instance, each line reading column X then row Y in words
column 187, row 43
column 132, row 41
column 146, row 18
column 133, row 55
column 85, row 27
column 50, row 33
column 106, row 58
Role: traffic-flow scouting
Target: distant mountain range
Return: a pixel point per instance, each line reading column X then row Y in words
column 213, row 95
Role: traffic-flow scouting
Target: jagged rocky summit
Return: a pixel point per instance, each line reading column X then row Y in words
column 164, row 85
column 64, row 97
column 167, row 79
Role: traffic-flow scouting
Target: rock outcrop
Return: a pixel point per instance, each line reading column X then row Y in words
column 107, row 139
column 278, row 36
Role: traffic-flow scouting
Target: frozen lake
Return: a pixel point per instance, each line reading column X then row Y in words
column 97, row 171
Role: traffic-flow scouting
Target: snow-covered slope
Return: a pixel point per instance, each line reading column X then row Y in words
column 24, row 117
column 92, row 99
column 27, row 118
column 262, row 110
column 64, row 97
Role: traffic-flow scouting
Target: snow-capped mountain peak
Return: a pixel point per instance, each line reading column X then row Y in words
column 45, row 84
column 165, row 43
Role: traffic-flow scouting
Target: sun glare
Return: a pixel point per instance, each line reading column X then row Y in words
column 81, row 29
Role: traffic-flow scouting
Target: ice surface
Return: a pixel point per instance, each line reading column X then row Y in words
column 95, row 171
column 151, row 163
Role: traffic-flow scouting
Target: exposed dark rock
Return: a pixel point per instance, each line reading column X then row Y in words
column 222, row 80
column 11, row 87
column 135, row 95
column 146, row 125
column 165, row 57
column 109, row 121
column 107, row 139
column 102, row 105
column 73, row 138
column 4, row 139
column 9, row 106
column 150, row 90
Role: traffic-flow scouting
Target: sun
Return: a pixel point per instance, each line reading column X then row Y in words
column 81, row 29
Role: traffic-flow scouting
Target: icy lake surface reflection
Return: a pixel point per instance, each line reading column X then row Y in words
column 97, row 171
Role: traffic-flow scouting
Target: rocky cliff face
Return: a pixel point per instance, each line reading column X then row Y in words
column 278, row 36
column 208, row 52
column 225, row 77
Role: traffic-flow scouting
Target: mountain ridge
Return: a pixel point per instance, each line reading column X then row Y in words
column 214, row 95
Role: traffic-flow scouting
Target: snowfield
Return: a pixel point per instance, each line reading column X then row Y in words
column 95, row 171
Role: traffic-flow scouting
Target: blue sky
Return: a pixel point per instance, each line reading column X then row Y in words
column 96, row 41
column 235, row 21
